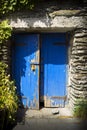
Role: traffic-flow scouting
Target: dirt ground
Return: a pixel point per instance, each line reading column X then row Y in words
column 48, row 119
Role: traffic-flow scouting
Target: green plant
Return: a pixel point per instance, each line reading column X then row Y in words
column 80, row 109
column 12, row 5
column 6, row 6
column 8, row 97
column 5, row 31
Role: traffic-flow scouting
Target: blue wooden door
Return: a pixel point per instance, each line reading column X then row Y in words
column 53, row 69
column 26, row 68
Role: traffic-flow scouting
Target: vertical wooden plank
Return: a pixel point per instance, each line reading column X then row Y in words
column 26, row 68
column 55, row 61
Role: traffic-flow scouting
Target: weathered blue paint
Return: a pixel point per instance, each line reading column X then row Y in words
column 26, row 77
column 53, row 68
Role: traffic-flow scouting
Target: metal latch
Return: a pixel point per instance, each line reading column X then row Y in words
column 33, row 67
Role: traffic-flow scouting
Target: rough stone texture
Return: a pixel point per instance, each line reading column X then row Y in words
column 78, row 66
column 51, row 16
column 5, row 54
column 48, row 23
column 54, row 17
column 49, row 113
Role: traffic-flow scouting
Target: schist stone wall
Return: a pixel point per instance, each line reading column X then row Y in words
column 66, row 17
column 78, row 66
column 5, row 54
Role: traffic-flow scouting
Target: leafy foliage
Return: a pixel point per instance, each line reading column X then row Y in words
column 8, row 98
column 80, row 109
column 5, row 31
column 7, row 5
column 12, row 5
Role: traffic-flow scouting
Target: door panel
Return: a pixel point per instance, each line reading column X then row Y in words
column 25, row 70
column 53, row 70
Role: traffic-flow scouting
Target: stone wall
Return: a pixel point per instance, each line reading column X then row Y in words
column 5, row 54
column 55, row 17
column 78, row 66
column 51, row 16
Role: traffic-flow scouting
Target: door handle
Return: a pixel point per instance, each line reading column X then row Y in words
column 33, row 66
